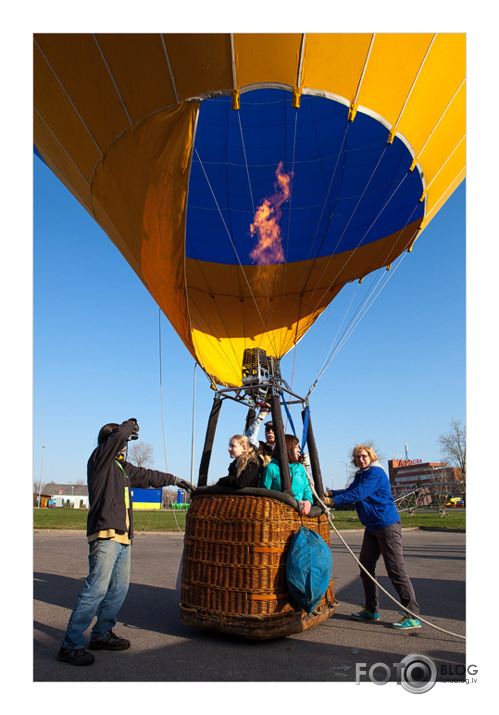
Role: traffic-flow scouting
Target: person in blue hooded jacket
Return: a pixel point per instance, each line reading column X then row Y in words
column 370, row 492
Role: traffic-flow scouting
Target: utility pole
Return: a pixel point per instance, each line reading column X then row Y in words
column 193, row 421
column 40, row 485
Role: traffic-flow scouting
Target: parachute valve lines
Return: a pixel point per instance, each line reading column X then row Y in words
column 353, row 106
column 231, row 241
column 112, row 80
column 56, row 139
column 393, row 130
column 68, row 97
column 377, row 285
column 170, row 72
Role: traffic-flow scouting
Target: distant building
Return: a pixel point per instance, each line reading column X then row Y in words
column 76, row 496
column 42, row 498
column 73, row 495
column 407, row 473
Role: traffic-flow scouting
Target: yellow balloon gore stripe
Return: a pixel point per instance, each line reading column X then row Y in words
column 232, row 308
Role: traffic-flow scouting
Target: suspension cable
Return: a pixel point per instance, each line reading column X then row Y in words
column 263, row 272
column 255, row 302
column 161, row 388
column 377, row 285
column 162, row 408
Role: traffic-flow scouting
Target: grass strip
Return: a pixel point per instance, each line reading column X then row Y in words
column 167, row 520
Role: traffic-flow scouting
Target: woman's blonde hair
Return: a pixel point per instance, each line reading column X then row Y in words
column 249, row 454
column 368, row 448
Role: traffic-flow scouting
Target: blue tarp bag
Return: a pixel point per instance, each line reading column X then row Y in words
column 309, row 566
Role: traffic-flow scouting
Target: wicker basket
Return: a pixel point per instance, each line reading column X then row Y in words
column 234, row 565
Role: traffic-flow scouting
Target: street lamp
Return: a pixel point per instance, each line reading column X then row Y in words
column 346, row 470
column 40, row 485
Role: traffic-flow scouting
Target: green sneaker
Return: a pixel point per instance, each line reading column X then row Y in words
column 406, row 623
column 365, row 615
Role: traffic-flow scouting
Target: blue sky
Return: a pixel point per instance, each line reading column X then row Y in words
column 399, row 379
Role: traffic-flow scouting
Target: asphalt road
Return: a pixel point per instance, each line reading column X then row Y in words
column 164, row 649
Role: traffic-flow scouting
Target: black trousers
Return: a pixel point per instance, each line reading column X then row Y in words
column 386, row 542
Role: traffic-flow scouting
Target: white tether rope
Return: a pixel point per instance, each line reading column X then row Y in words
column 330, row 519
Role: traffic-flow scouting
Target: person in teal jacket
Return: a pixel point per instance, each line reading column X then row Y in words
column 371, row 494
column 271, row 477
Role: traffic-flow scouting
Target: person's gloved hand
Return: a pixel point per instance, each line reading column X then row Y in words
column 183, row 484
column 264, row 413
column 135, row 430
column 328, row 499
column 305, row 460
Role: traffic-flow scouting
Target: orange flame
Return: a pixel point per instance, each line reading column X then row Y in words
column 265, row 224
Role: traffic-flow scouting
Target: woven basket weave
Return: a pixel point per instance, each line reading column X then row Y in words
column 234, row 566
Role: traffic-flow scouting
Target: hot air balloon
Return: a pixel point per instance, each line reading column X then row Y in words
column 246, row 179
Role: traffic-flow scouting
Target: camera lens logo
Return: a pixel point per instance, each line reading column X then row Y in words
column 418, row 673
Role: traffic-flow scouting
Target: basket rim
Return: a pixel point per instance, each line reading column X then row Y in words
column 219, row 490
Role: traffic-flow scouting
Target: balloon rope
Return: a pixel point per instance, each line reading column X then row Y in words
column 161, row 389
column 196, row 324
column 231, row 242
column 162, row 409
column 330, row 518
column 397, row 122
column 331, row 283
column 369, row 298
column 438, row 122
column 243, row 145
column 377, row 285
column 326, row 202
column 111, row 77
column 288, row 233
column 263, row 272
column 387, row 201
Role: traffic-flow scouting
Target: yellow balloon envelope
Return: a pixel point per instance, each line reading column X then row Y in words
column 247, row 178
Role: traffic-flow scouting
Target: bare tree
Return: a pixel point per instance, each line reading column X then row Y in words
column 453, row 445
column 142, row 454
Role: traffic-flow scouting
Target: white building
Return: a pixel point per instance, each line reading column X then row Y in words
column 74, row 495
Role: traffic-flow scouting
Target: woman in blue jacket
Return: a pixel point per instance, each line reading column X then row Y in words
column 271, row 477
column 370, row 492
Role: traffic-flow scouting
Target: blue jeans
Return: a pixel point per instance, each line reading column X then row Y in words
column 105, row 590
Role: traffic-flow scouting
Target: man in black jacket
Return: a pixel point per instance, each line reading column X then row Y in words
column 109, row 533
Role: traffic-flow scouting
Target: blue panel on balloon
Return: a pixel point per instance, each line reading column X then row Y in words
column 348, row 186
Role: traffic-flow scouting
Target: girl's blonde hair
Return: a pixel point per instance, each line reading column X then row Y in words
column 368, row 448
column 249, row 454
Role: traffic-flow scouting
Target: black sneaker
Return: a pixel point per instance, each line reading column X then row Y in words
column 109, row 642
column 78, row 656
